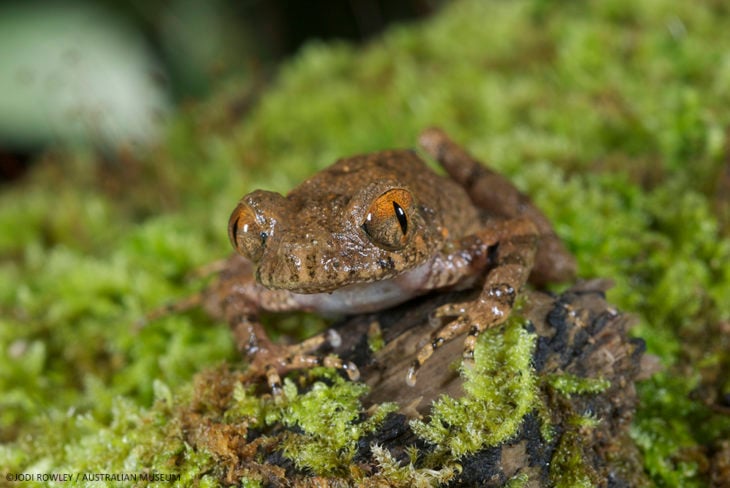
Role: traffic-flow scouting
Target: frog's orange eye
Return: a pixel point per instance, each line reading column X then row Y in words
column 387, row 221
column 246, row 233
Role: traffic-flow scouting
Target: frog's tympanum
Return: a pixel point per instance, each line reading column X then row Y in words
column 375, row 230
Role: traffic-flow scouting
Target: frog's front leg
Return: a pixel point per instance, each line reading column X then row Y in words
column 273, row 360
column 498, row 197
column 511, row 258
column 239, row 300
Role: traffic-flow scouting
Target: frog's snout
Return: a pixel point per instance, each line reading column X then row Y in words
column 302, row 265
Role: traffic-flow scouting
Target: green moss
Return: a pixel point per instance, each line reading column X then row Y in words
column 405, row 476
column 375, row 337
column 569, row 384
column 245, row 483
column 245, row 404
column 135, row 440
column 326, row 421
column 519, row 481
column 328, row 418
column 611, row 114
column 669, row 423
column 569, row 468
column 500, row 390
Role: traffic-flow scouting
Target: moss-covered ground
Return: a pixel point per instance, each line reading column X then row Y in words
column 612, row 114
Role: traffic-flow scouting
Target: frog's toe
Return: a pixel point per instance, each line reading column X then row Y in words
column 445, row 334
column 273, row 380
column 284, row 360
column 352, row 372
column 412, row 373
column 348, row 367
column 449, row 310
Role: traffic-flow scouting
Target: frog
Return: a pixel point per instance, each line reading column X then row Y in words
column 373, row 231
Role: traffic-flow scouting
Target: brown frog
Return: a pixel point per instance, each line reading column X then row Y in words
column 373, row 231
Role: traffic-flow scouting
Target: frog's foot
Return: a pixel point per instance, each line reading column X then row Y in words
column 274, row 360
column 473, row 318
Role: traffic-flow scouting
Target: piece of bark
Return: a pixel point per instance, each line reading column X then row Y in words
column 579, row 333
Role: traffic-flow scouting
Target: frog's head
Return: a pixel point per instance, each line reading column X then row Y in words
column 320, row 238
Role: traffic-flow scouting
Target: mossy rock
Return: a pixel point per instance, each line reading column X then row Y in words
column 548, row 402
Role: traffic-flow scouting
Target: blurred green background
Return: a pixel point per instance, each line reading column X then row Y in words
column 129, row 131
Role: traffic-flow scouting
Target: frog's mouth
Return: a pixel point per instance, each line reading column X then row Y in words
column 311, row 275
column 367, row 297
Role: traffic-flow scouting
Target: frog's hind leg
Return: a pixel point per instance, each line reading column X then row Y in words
column 513, row 257
column 173, row 308
column 499, row 198
column 189, row 302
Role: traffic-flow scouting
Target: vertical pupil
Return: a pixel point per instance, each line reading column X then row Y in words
column 232, row 231
column 401, row 215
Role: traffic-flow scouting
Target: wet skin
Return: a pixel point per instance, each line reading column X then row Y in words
column 373, row 231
